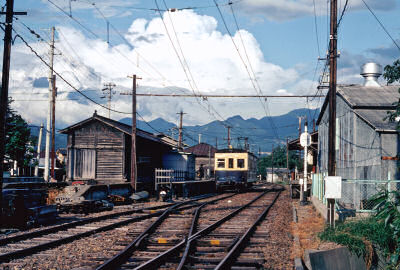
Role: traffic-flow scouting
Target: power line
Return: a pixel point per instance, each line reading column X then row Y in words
column 185, row 66
column 62, row 78
column 253, row 81
column 316, row 28
column 228, row 96
column 381, row 24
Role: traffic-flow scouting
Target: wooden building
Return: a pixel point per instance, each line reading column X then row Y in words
column 99, row 149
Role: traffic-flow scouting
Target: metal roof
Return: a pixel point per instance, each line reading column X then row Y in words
column 369, row 103
column 375, row 119
column 127, row 129
column 359, row 96
column 201, row 150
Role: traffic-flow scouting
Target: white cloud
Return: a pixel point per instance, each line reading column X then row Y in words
column 211, row 56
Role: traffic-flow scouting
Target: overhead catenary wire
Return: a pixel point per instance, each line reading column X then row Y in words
column 381, row 24
column 186, row 68
column 251, row 74
column 63, row 79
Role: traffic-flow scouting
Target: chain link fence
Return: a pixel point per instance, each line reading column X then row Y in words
column 356, row 194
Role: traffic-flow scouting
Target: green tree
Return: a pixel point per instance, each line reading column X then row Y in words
column 19, row 144
column 279, row 160
column 392, row 74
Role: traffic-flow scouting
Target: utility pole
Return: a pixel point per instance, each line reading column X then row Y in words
column 180, row 145
column 133, row 172
column 229, row 136
column 108, row 93
column 4, row 87
column 287, row 157
column 53, row 126
column 332, row 103
column 199, row 138
column 38, row 150
column 216, row 143
column 300, row 117
column 133, row 135
column 48, row 124
column 246, row 144
column 305, row 178
column 272, row 163
column 209, row 161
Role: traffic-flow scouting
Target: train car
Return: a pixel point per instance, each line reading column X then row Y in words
column 235, row 169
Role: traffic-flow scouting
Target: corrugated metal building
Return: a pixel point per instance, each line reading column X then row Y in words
column 366, row 145
column 99, row 149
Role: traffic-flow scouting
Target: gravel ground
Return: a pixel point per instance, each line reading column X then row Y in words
column 277, row 250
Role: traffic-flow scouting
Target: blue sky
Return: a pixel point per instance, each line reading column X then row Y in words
column 280, row 37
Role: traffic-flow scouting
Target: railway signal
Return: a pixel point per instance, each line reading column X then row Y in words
column 305, row 141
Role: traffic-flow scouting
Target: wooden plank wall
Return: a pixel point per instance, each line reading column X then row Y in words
column 109, row 146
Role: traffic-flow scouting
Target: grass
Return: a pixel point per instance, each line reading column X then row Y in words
column 361, row 237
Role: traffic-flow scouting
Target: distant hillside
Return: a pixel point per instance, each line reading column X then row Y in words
column 61, row 139
column 262, row 133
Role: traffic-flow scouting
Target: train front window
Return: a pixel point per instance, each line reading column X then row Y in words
column 230, row 163
column 240, row 163
column 221, row 163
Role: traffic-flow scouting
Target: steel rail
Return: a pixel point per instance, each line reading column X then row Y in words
column 40, row 247
column 124, row 255
column 156, row 261
column 65, row 226
column 232, row 255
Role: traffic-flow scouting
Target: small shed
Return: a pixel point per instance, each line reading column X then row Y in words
column 99, row 149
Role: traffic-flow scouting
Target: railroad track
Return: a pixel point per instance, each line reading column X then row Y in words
column 26, row 244
column 213, row 237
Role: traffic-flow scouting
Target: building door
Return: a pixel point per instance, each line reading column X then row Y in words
column 84, row 164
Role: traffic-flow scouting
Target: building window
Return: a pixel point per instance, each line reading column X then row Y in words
column 240, row 163
column 221, row 163
column 230, row 163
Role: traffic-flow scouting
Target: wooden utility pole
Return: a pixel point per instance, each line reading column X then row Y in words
column 229, row 136
column 272, row 163
column 48, row 124
column 209, row 161
column 287, row 157
column 180, row 143
column 246, row 144
column 133, row 135
column 39, row 149
column 53, row 126
column 332, row 103
column 4, row 87
column 108, row 93
column 133, row 172
column 216, row 143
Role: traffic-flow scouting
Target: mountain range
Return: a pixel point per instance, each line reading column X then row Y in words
column 262, row 133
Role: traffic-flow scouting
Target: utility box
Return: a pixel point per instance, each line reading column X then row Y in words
column 333, row 187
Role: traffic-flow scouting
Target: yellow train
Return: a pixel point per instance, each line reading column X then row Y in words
column 235, row 169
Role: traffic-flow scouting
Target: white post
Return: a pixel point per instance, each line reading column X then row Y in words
column 38, row 150
column 47, row 156
column 305, row 166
